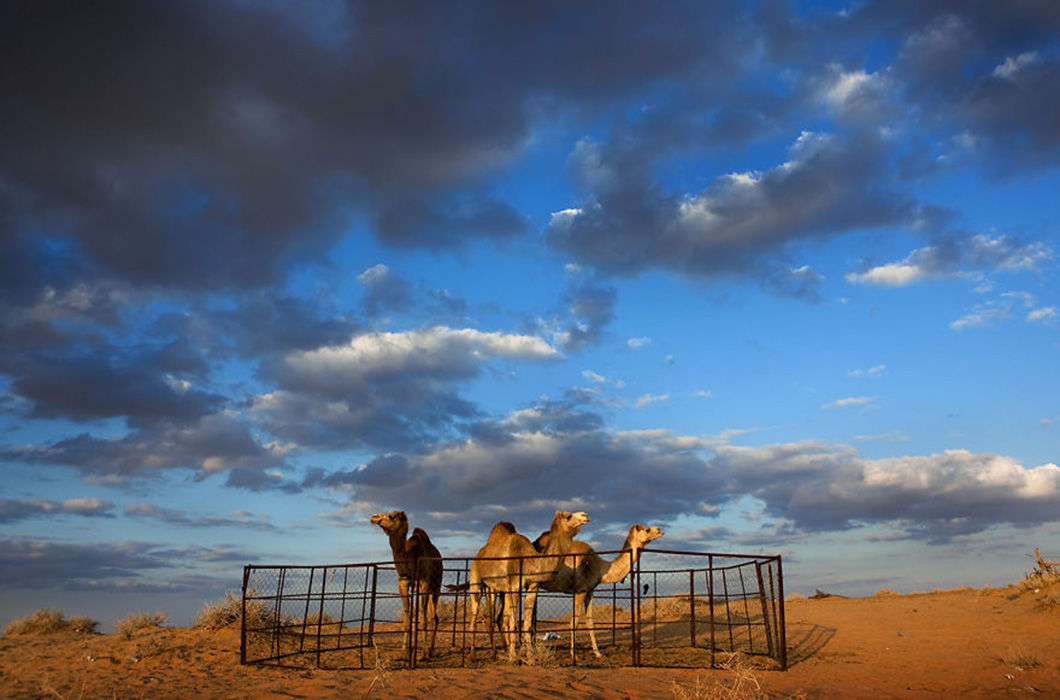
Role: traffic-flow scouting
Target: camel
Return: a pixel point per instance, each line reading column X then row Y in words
column 508, row 563
column 583, row 570
column 419, row 567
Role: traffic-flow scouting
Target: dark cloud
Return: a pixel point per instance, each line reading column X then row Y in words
column 591, row 307
column 830, row 184
column 12, row 510
column 94, row 386
column 560, row 456
column 27, row 563
column 823, row 487
column 384, row 291
column 172, row 516
column 385, row 390
column 213, row 144
column 214, row 443
column 254, row 325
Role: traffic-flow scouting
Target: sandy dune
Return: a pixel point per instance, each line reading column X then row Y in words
column 961, row 643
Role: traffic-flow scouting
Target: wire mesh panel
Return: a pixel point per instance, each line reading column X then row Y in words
column 671, row 609
column 692, row 606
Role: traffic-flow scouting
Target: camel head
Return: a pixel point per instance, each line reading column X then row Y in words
column 569, row 522
column 640, row 535
column 394, row 522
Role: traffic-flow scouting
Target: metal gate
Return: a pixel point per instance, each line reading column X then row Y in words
column 675, row 609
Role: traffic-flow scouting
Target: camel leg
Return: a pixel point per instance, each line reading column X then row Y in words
column 474, row 593
column 511, row 621
column 406, row 617
column 495, row 610
column 430, row 617
column 528, row 613
column 587, row 611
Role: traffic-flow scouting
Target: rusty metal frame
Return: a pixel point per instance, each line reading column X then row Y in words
column 289, row 611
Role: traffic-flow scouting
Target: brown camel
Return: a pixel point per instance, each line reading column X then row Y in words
column 583, row 570
column 509, row 563
column 419, row 568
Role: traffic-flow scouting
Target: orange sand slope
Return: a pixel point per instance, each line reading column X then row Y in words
column 961, row 643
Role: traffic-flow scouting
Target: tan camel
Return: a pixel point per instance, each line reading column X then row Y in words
column 583, row 570
column 419, row 568
column 509, row 563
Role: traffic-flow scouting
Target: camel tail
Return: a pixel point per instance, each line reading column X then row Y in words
column 455, row 588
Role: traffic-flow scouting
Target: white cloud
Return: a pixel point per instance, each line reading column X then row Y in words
column 593, row 376
column 851, row 402
column 649, row 399
column 1047, row 314
column 637, row 343
column 893, row 436
column 983, row 316
column 890, row 275
column 957, row 258
column 704, row 394
column 870, row 372
column 439, row 350
column 1012, row 65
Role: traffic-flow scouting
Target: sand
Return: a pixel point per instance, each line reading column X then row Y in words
column 961, row 643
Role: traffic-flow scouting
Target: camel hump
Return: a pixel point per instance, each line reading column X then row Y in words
column 541, row 543
column 421, row 544
column 502, row 529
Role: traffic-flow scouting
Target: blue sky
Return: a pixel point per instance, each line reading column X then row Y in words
column 775, row 277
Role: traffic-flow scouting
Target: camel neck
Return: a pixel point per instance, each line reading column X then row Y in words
column 622, row 563
column 397, row 543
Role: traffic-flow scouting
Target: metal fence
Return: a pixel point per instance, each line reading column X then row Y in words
column 675, row 609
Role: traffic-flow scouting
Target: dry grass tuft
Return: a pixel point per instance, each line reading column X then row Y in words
column 47, row 621
column 886, row 593
column 539, row 653
column 1043, row 581
column 134, row 622
column 229, row 610
column 382, row 671
column 743, row 684
column 1019, row 658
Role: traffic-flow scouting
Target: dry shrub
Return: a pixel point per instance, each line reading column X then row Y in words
column 743, row 685
column 1045, row 575
column 134, row 622
column 886, row 593
column 1019, row 658
column 794, row 598
column 229, row 610
column 538, row 653
column 1043, row 582
column 46, row 621
column 84, row 625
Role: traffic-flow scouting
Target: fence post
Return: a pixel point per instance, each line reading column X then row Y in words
column 692, row 607
column 243, row 618
column 765, row 609
column 710, row 602
column 782, row 633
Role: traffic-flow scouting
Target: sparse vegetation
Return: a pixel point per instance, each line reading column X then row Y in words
column 742, row 685
column 1020, row 658
column 538, row 653
column 886, row 593
column 47, row 621
column 134, row 622
column 1043, row 581
column 229, row 610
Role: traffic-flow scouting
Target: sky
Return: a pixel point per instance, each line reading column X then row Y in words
column 777, row 277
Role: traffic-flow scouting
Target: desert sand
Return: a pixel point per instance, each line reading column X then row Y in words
column 993, row 642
